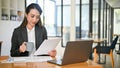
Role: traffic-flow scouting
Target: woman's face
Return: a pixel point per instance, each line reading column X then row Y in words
column 33, row 17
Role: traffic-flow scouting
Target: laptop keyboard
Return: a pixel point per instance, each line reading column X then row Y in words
column 57, row 61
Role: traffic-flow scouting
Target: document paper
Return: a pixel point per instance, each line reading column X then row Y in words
column 47, row 46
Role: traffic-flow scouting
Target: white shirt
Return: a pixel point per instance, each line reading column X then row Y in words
column 31, row 35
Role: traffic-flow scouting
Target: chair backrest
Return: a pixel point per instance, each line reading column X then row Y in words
column 114, row 43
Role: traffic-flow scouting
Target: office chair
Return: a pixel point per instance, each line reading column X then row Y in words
column 107, row 50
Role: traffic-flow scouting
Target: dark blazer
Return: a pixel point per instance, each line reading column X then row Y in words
column 20, row 35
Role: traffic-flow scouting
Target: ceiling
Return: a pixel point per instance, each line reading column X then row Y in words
column 114, row 3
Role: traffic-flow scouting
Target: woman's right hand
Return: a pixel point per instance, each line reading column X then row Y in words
column 22, row 47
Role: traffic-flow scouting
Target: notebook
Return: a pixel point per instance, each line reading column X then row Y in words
column 75, row 52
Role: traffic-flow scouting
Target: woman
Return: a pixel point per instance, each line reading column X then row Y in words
column 31, row 30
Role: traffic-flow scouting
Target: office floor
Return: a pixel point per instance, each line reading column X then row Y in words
column 108, row 61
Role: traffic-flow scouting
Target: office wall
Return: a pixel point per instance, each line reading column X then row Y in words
column 6, row 29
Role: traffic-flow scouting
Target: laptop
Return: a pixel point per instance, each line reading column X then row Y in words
column 75, row 52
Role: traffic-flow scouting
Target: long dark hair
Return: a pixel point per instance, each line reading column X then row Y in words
column 32, row 6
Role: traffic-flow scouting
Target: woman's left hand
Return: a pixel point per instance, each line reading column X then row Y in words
column 52, row 53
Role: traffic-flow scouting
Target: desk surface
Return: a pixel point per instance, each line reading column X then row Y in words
column 116, row 34
column 99, row 40
column 95, row 40
column 88, row 64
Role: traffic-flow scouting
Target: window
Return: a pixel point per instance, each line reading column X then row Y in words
column 49, row 16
